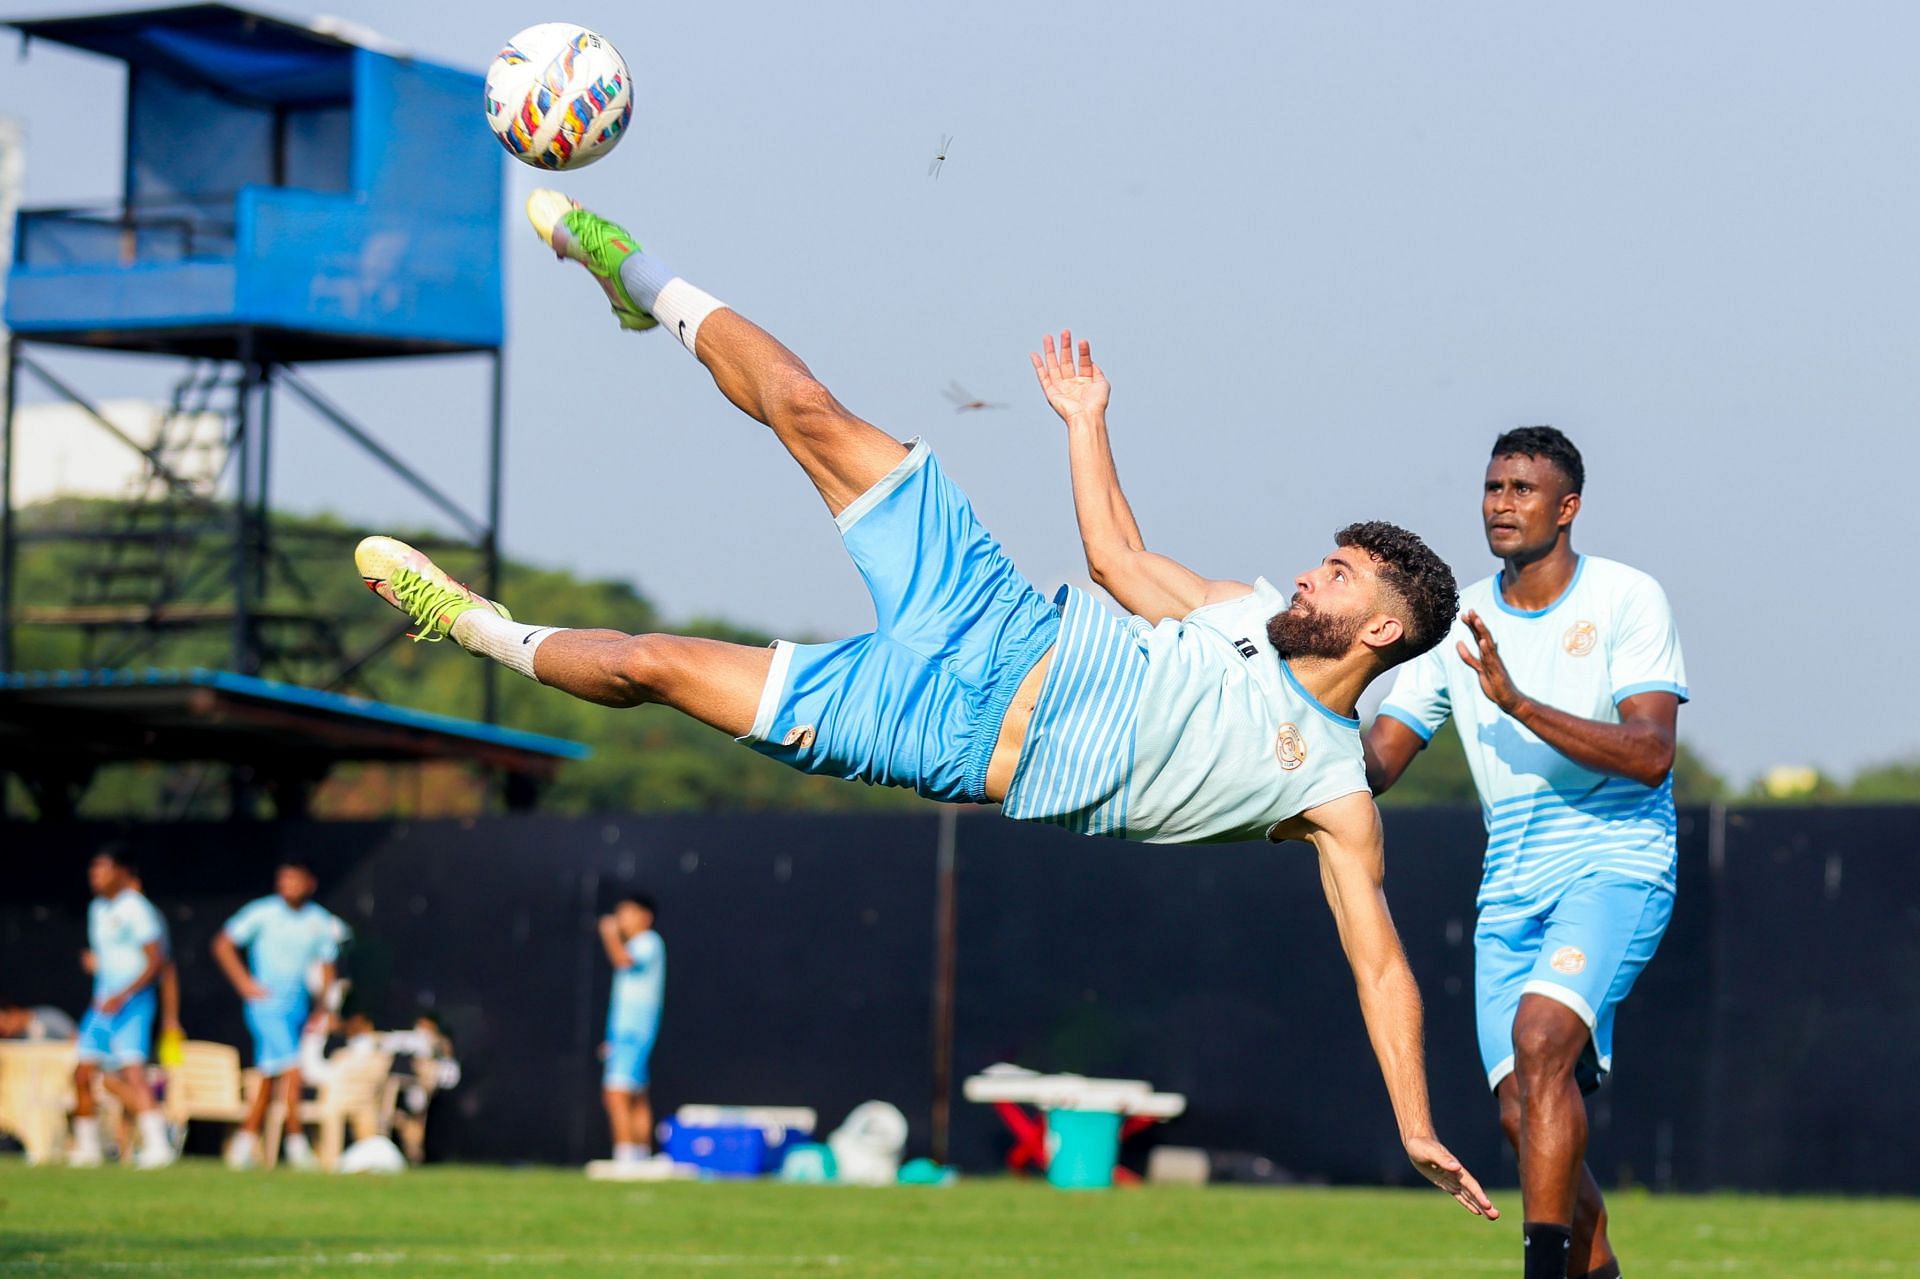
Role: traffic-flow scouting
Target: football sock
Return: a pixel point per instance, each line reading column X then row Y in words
column 1609, row 1271
column 153, row 1130
column 86, row 1134
column 1546, row 1249
column 512, row 644
column 626, row 1152
column 657, row 290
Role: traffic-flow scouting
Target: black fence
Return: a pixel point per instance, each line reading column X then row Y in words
column 1768, row 1046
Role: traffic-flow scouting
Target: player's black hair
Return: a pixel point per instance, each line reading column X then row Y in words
column 116, row 852
column 1547, row 442
column 295, row 863
column 644, row 901
column 1411, row 570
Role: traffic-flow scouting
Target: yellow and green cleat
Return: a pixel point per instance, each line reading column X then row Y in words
column 597, row 244
column 414, row 584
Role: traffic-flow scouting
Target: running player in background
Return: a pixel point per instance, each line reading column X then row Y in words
column 125, row 953
column 1564, row 679
column 1222, row 710
column 286, row 934
column 639, row 960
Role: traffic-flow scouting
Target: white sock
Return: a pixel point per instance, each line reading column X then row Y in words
column 153, row 1130
column 681, row 307
column 296, row 1145
column 86, row 1133
column 483, row 631
column 242, row 1146
column 625, row 1152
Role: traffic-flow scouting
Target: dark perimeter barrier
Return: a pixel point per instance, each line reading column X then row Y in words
column 1767, row 1047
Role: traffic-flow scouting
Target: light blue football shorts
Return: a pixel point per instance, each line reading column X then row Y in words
column 918, row 702
column 628, row 1055
column 120, row 1040
column 276, row 1024
column 1583, row 950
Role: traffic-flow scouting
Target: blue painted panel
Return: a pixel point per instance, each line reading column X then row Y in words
column 175, row 294
column 339, row 265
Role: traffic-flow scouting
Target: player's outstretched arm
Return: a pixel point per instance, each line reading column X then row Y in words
column 1353, row 871
column 613, row 944
column 1142, row 581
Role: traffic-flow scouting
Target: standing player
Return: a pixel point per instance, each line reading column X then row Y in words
column 1564, row 681
column 639, row 960
column 124, row 950
column 287, row 934
column 1221, row 711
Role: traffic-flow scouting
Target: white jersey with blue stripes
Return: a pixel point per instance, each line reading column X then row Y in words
column 1189, row 731
column 1550, row 821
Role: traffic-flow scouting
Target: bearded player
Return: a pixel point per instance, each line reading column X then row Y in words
column 1564, row 679
column 1218, row 711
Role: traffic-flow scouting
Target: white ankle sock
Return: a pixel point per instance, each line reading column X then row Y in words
column 86, row 1133
column 483, row 631
column 153, row 1130
column 681, row 307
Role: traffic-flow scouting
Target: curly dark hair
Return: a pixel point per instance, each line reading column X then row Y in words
column 1547, row 442
column 1410, row 569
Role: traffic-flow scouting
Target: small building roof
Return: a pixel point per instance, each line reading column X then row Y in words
column 95, row 717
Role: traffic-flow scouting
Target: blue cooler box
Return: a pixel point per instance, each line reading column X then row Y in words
column 729, row 1148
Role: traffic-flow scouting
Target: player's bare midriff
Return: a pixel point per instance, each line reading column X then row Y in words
column 1013, row 730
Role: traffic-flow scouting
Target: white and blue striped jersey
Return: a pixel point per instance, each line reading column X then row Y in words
column 1190, row 731
column 118, row 930
column 1550, row 821
column 639, row 988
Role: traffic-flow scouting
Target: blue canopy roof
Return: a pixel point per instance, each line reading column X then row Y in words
column 249, row 55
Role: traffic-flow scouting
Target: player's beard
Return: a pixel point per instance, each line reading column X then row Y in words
column 1304, row 631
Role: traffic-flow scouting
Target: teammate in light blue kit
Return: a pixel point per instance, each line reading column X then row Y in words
column 125, row 946
column 287, row 936
column 639, row 960
column 1564, row 678
column 1220, row 710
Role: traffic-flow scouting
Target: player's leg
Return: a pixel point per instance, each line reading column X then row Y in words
column 1590, row 1254
column 1597, row 938
column 85, row 1151
column 619, row 1120
column 640, row 1118
column 299, row 1152
column 714, row 682
column 843, row 455
column 1548, row 1041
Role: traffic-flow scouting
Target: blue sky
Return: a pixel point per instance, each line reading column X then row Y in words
column 1326, row 253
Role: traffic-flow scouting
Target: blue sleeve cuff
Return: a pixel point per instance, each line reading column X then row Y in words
column 1425, row 733
column 1655, row 686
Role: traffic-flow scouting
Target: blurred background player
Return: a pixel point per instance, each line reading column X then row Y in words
column 285, row 934
column 1565, row 681
column 41, row 1024
column 125, row 953
column 639, row 960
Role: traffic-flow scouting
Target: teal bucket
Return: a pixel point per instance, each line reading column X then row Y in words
column 1082, row 1148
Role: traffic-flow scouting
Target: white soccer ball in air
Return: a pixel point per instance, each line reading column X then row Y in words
column 559, row 96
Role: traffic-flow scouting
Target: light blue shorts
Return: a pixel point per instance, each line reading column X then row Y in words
column 120, row 1040
column 627, row 1058
column 1584, row 950
column 918, row 702
column 276, row 1024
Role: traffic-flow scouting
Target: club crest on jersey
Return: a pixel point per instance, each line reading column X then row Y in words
column 1569, row 960
column 1289, row 747
column 1580, row 639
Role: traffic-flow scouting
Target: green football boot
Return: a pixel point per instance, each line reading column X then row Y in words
column 414, row 584
column 592, row 241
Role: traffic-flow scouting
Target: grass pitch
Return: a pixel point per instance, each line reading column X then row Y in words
column 200, row 1219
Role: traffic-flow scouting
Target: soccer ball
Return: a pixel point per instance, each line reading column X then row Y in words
column 558, row 96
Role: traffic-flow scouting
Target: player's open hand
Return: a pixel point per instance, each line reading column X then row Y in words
column 1073, row 390
column 1437, row 1164
column 1495, row 682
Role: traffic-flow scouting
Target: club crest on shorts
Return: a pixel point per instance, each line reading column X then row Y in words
column 1289, row 747
column 1580, row 639
column 1569, row 960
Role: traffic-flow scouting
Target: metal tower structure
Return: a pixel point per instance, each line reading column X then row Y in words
column 344, row 214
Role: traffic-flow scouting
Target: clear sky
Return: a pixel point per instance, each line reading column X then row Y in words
column 1326, row 253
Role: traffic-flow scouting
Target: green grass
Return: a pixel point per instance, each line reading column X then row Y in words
column 200, row 1219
